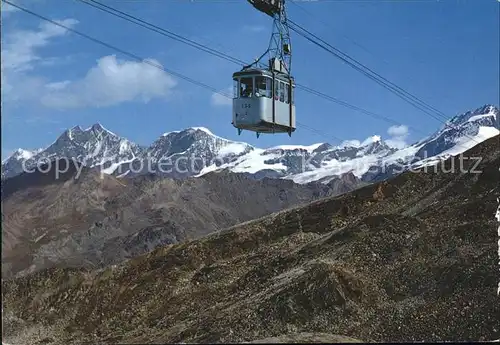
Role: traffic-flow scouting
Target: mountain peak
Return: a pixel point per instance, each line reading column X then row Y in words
column 77, row 131
column 190, row 130
column 203, row 129
column 70, row 133
column 76, row 128
column 486, row 111
column 373, row 145
column 19, row 156
column 97, row 127
column 23, row 154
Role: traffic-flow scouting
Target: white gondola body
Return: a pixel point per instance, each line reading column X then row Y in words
column 269, row 109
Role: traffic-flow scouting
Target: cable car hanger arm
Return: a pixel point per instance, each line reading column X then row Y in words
column 256, row 61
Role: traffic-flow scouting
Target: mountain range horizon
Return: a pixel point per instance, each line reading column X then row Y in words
column 197, row 151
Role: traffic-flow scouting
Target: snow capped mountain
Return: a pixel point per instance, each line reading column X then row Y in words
column 197, row 151
column 94, row 146
column 21, row 154
column 185, row 153
column 14, row 164
column 459, row 134
column 304, row 164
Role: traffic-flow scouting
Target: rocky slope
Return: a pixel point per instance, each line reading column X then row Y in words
column 196, row 151
column 82, row 218
column 406, row 260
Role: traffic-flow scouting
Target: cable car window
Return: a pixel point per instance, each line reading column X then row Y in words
column 246, row 87
column 262, row 85
column 276, row 87
column 282, row 91
column 235, row 88
column 287, row 87
column 269, row 87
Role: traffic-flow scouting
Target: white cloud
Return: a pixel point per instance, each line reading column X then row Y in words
column 19, row 87
column 371, row 140
column 111, row 82
column 219, row 100
column 398, row 134
column 397, row 143
column 19, row 47
column 398, row 131
column 19, row 57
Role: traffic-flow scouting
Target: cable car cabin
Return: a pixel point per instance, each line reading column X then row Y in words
column 263, row 103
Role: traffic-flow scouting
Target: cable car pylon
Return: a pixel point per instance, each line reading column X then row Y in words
column 263, row 100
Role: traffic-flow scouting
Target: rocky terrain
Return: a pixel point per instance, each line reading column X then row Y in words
column 82, row 218
column 410, row 259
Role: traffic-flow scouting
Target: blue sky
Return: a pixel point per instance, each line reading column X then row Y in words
column 445, row 52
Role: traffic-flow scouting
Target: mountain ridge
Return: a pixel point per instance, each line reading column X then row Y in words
column 195, row 151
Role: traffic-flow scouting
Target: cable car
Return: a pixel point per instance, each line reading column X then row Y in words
column 263, row 98
column 263, row 101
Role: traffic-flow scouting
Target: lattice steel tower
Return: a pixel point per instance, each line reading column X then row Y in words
column 279, row 52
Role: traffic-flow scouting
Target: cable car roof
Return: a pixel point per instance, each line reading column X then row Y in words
column 264, row 72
